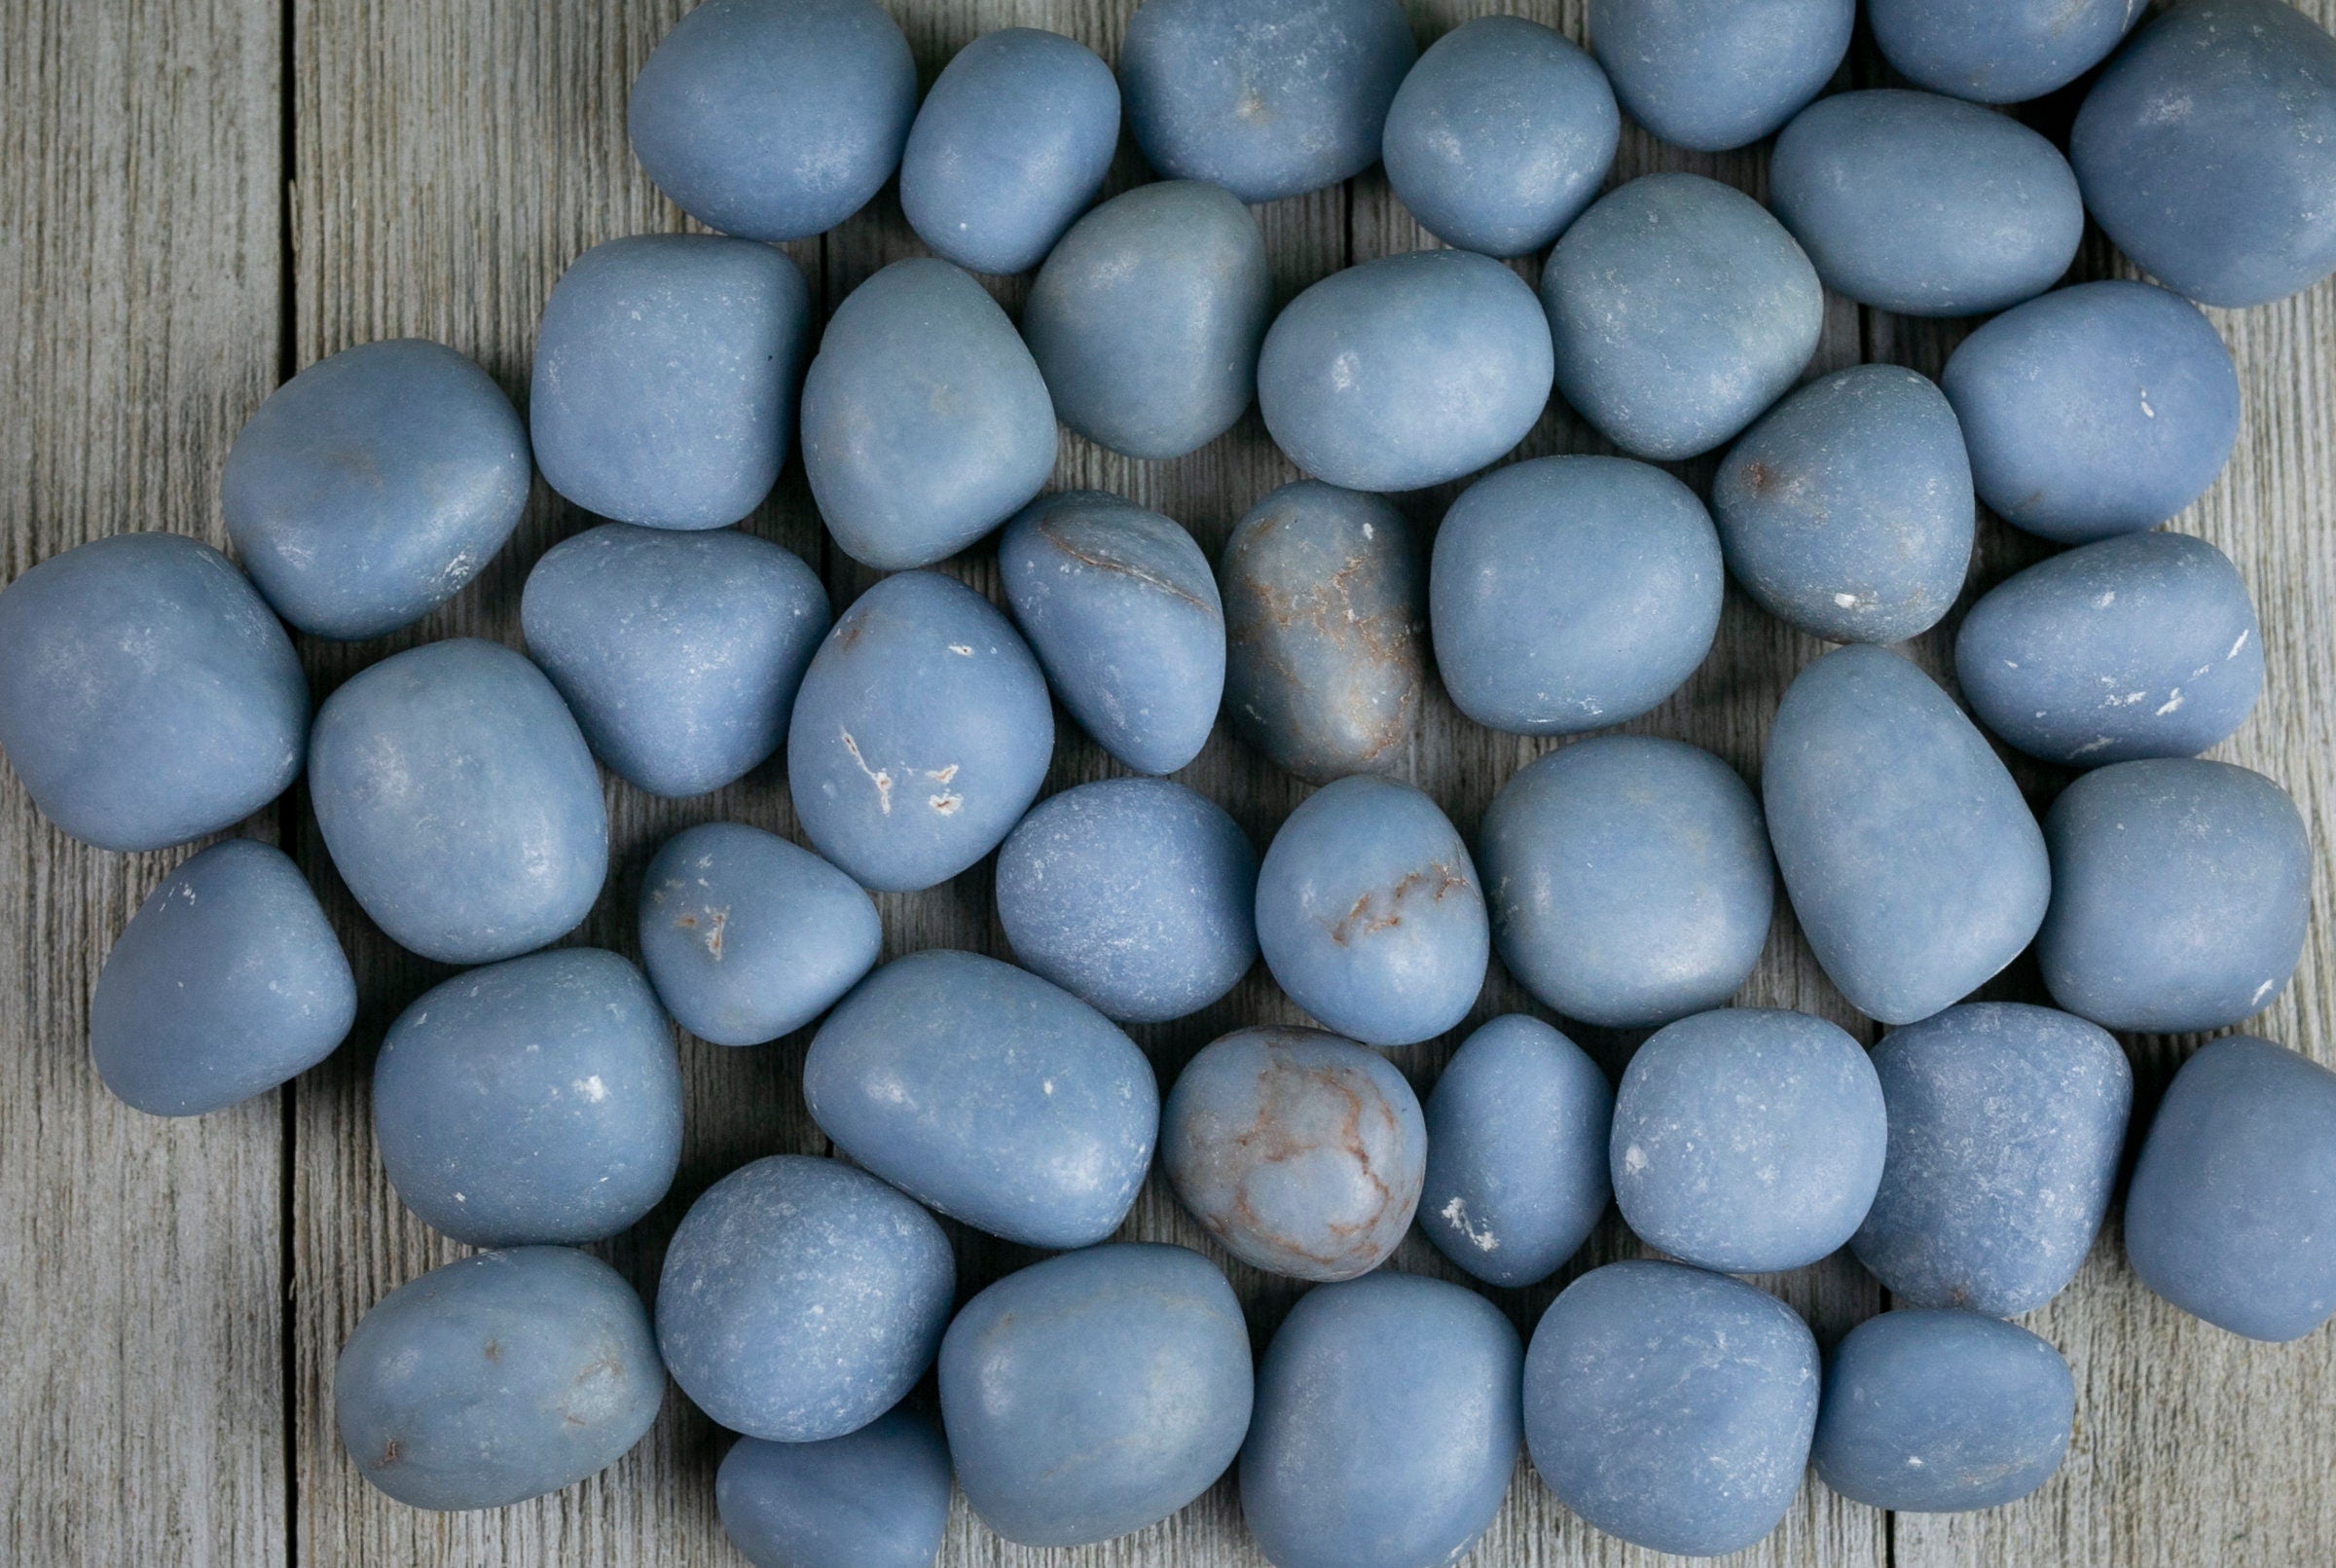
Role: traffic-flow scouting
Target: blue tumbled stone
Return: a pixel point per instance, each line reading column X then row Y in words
column 1998, row 51
column 1716, row 74
column 875, row 1498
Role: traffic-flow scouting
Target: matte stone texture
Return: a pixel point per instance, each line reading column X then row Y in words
column 2208, row 151
column 370, row 488
column 2006, row 1125
column 775, row 119
column 1914, row 867
column 226, row 982
column 2232, row 1213
column 988, row 1094
column 535, row 1101
column 1568, row 593
column 926, row 422
column 921, row 734
column 2145, row 645
column 1267, row 98
column 665, row 372
column 147, row 694
column 1121, row 608
column 498, row 1377
column 875, row 1498
column 801, row 1299
column 1326, row 622
column 1146, row 317
column 748, row 937
column 1998, row 51
column 2095, row 409
column 1672, row 1407
column 678, row 653
column 1302, row 1152
column 2180, row 893
column 1500, row 135
column 1096, row 1393
column 1369, row 913
column 1136, row 896
column 1715, row 74
column 1680, row 310
column 1941, row 1412
column 1405, row 372
column 1517, row 1174
column 1848, row 511
column 1011, row 144
column 458, row 802
column 1386, row 1426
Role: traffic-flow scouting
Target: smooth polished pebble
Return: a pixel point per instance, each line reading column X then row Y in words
column 227, row 982
column 1995, row 51
column 677, row 654
column 1387, row 1423
column 1711, row 75
column 1136, row 896
column 801, row 1299
column 148, row 696
column 665, row 372
column 875, row 1498
column 1301, row 1152
column 370, row 488
column 1517, row 1174
column 2182, row 891
column 990, row 1094
column 1096, row 1393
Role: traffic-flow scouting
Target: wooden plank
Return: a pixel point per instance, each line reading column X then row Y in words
column 141, row 1312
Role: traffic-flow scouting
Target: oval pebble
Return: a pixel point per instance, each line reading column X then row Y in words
column 875, row 1498
column 1713, row 74
column 1995, row 51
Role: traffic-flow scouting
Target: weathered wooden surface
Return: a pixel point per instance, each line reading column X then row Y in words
column 173, row 1294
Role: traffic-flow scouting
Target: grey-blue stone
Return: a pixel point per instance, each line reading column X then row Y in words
column 225, row 983
column 801, row 1299
column 875, row 1498
column 1096, row 1393
column 748, row 937
column 1326, row 622
column 1500, row 135
column 1568, row 593
column 1011, row 144
column 666, row 371
column 1145, row 318
column 2208, row 151
column 2232, row 1213
column 2006, row 1124
column 2095, row 409
column 2180, row 893
column 926, row 422
column 1122, row 609
column 1748, row 1139
column 1998, row 51
column 1265, row 98
column 368, row 489
column 921, row 734
column 775, row 119
column 1136, row 896
column 1405, row 372
column 1672, row 1407
column 678, row 653
column 1387, row 1422
column 1680, row 310
column 496, row 1378
column 1369, row 913
column 1941, row 1412
column 1847, row 510
column 1924, row 204
column 533, row 1101
column 1629, row 880
column 1716, row 74
column 2143, row 646
column 147, row 694
column 458, row 802
column 990, row 1094
column 1304, row 1154
column 1516, row 1175
column 1914, row 867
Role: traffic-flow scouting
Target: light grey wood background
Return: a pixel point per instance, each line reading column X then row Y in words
column 198, row 197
